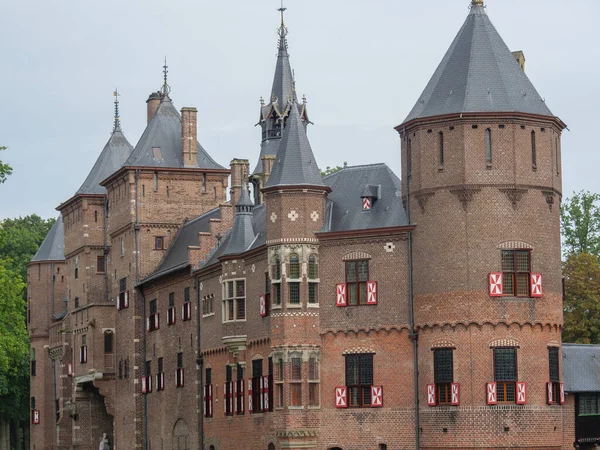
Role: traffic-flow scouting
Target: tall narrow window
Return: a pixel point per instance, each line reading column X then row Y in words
column 155, row 181
column 276, row 282
column 279, row 383
column 313, row 381
column 516, row 268
column 122, row 246
column 239, row 399
column 76, row 267
column 488, row 147
column 357, row 275
column 256, row 385
column 557, row 145
column 204, row 183
column 443, row 374
column 95, row 216
column 234, row 300
column 179, row 372
column 359, row 379
column 313, row 275
column 108, row 342
column 294, row 285
column 33, row 363
column 408, row 157
column 228, row 390
column 505, row 373
column 554, row 371
column 533, row 151
column 296, row 381
column 100, row 266
column 441, row 155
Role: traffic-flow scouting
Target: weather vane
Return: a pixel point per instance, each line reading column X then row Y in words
column 117, row 126
column 165, row 88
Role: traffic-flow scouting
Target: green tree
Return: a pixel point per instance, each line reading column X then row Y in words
column 5, row 169
column 581, row 272
column 20, row 239
column 580, row 220
column 329, row 170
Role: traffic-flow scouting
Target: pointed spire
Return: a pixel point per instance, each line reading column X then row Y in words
column 282, row 31
column 117, row 125
column 166, row 89
column 242, row 233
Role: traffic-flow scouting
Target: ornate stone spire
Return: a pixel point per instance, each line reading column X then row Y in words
column 117, row 125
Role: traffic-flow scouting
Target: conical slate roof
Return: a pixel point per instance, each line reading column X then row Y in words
column 478, row 74
column 295, row 163
column 115, row 153
column 283, row 81
column 160, row 144
column 53, row 247
column 242, row 233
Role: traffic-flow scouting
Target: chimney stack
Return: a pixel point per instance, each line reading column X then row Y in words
column 152, row 104
column 189, row 136
column 520, row 57
column 239, row 175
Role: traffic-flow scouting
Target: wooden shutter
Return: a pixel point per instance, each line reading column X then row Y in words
column 562, row 393
column 70, row 369
column 372, row 293
column 156, row 321
column 189, row 310
column 492, row 394
column 250, row 410
column 536, row 285
column 263, row 306
column 126, row 301
column 340, row 294
column 431, row 395
column 210, row 400
column 521, row 393
column 454, row 394
column 225, row 404
column 376, row 396
column 241, row 396
column 366, row 203
column 341, row 397
column 144, row 387
column 148, row 324
column 549, row 394
column 266, row 392
column 496, row 288
column 35, row 417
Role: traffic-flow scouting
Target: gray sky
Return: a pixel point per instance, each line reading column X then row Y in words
column 362, row 65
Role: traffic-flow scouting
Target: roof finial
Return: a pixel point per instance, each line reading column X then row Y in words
column 282, row 30
column 117, row 126
column 165, row 87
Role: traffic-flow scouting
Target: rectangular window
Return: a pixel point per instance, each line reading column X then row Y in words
column 553, row 364
column 408, row 157
column 279, row 383
column 208, row 392
column 148, row 371
column 313, row 381
column 588, row 404
column 153, row 306
column 155, row 181
column 357, row 275
column 533, row 151
column 186, row 295
column 267, row 293
column 153, row 318
column 76, row 267
column 441, row 155
column 294, row 293
column 108, row 342
column 488, row 147
column 443, row 369
column 123, row 299
column 296, row 381
column 171, row 299
column 33, row 368
column 359, row 379
column 159, row 242
column 516, row 269
column 234, row 300
column 505, row 373
column 239, row 399
column 179, row 372
column 256, row 385
column 100, row 264
column 122, row 246
column 277, row 293
column 160, row 376
column 207, row 304
column 228, row 391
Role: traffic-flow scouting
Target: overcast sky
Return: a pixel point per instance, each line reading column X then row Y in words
column 361, row 63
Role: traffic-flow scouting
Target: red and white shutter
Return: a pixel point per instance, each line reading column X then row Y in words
column 162, row 380
column 496, row 286
column 265, row 393
column 521, row 393
column 366, row 203
column 189, row 310
column 562, row 393
column 241, row 396
column 83, row 356
column 549, row 394
column 250, row 395
column 156, row 321
column 372, row 293
column 144, row 387
column 126, row 300
column 536, row 285
column 492, row 394
column 225, row 397
column 204, row 398
column 35, row 417
column 118, row 303
column 376, row 396
column 454, row 394
column 431, row 395
column 210, row 400
column 263, row 306
column 148, row 324
column 341, row 397
column 181, row 377
column 149, row 381
column 340, row 299
column 233, row 398
column 70, row 369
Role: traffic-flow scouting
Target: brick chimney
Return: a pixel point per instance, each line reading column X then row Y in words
column 189, row 136
column 152, row 104
column 239, row 175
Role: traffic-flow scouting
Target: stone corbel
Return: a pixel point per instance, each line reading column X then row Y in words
column 549, row 198
column 465, row 195
column 422, row 200
column 514, row 195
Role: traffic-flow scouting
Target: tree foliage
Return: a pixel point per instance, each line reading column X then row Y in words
column 20, row 239
column 580, row 220
column 581, row 272
column 329, row 170
column 5, row 169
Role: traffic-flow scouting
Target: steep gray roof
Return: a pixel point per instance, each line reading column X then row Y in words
column 177, row 255
column 164, row 132
column 478, row 74
column 268, row 147
column 53, row 247
column 115, row 153
column 295, row 163
column 283, row 81
column 242, row 233
column 344, row 210
column 581, row 367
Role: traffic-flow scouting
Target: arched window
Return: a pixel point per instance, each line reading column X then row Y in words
column 313, row 275
column 488, row 147
column 294, row 266
column 271, row 447
column 294, row 274
column 533, row 151
column 277, row 275
column 276, row 282
column 441, row 155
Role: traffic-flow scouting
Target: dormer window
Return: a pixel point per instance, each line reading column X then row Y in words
column 371, row 193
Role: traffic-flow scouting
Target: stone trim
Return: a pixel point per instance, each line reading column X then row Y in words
column 443, row 344
column 356, row 350
column 356, row 255
column 515, row 245
column 508, row 342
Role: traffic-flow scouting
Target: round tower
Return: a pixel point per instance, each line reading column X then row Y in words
column 482, row 175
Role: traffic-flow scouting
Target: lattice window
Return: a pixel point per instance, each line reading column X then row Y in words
column 443, row 369
column 296, row 381
column 357, row 275
column 313, row 381
column 313, row 275
column 359, row 379
column 589, row 404
column 516, row 268
column 234, row 300
column 505, row 373
column 294, row 293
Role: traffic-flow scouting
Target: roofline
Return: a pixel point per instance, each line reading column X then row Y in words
column 469, row 115
column 47, row 261
column 326, row 235
column 295, row 186
column 248, row 254
column 123, row 169
column 72, row 200
column 158, row 275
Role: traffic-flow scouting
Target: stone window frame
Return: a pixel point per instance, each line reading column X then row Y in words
column 313, row 281
column 314, row 382
column 279, row 380
column 515, row 272
column 445, row 386
column 296, row 382
column 235, row 299
column 276, row 277
column 208, row 305
column 295, row 266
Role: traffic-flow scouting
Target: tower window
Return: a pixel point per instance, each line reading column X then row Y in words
column 155, row 181
column 505, row 373
column 554, row 371
column 312, row 280
column 296, row 381
column 359, row 379
column 443, row 369
column 294, row 286
column 108, row 342
column 276, row 282
column 488, row 147
column 533, row 152
column 357, row 275
column 100, row 264
column 441, row 156
column 516, row 268
column 159, row 243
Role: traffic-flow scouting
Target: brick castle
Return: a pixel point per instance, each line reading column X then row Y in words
column 347, row 311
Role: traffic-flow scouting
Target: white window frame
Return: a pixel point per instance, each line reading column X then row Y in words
column 235, row 299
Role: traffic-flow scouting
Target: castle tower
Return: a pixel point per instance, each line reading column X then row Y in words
column 295, row 197
column 481, row 166
column 168, row 178
column 46, row 289
column 274, row 114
